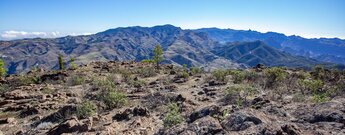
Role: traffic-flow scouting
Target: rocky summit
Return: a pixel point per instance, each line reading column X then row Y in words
column 137, row 98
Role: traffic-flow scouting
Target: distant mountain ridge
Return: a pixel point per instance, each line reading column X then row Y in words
column 252, row 53
column 323, row 49
column 190, row 47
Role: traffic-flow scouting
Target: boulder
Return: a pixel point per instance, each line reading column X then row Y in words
column 240, row 121
column 69, row 126
column 210, row 110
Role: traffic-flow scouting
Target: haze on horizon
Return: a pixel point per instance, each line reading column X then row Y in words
column 55, row 18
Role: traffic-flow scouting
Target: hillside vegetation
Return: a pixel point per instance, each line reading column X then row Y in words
column 137, row 98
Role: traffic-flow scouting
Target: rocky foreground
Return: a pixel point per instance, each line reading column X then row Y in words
column 135, row 98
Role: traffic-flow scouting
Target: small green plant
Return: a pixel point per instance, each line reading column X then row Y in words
column 274, row 76
column 47, row 90
column 225, row 113
column 147, row 72
column 195, row 70
column 318, row 73
column 173, row 116
column 26, row 80
column 114, row 99
column 104, row 84
column 76, row 80
column 86, row 109
column 183, row 74
column 126, row 75
column 147, row 61
column 311, row 85
column 320, row 97
column 220, row 75
column 72, row 65
column 238, row 76
column 239, row 93
column 61, row 64
column 2, row 68
column 4, row 88
column 157, row 55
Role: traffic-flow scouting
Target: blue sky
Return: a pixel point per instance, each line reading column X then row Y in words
column 50, row 18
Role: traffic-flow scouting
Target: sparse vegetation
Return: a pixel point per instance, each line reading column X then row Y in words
column 2, row 68
column 274, row 76
column 220, row 75
column 173, row 116
column 114, row 99
column 195, row 70
column 86, row 109
column 72, row 65
column 76, row 80
column 239, row 93
column 238, row 76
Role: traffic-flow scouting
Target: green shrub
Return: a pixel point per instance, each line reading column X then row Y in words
column 137, row 83
column 311, row 85
column 27, row 80
column 86, row 109
column 72, row 65
column 47, row 90
column 4, row 88
column 114, row 99
column 320, row 97
column 195, row 70
column 220, row 75
column 238, row 76
column 2, row 68
column 147, row 61
column 76, row 80
column 126, row 75
column 173, row 116
column 274, row 76
column 104, row 84
column 251, row 76
column 239, row 93
column 318, row 72
column 147, row 72
column 183, row 74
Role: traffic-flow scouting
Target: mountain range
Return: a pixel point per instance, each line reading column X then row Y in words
column 323, row 49
column 208, row 48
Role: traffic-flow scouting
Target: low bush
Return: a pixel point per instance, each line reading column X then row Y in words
column 114, row 99
column 220, row 75
column 195, row 70
column 238, row 76
column 320, row 97
column 310, row 85
column 239, row 93
column 147, row 72
column 173, row 116
column 86, row 109
column 75, row 80
column 274, row 76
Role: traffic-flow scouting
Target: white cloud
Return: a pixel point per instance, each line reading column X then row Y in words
column 10, row 35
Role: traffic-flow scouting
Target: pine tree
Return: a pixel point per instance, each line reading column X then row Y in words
column 157, row 55
column 61, row 65
column 2, row 68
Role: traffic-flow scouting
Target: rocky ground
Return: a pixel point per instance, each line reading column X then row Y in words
column 134, row 98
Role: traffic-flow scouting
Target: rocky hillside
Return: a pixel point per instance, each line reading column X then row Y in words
column 323, row 49
column 252, row 53
column 190, row 47
column 135, row 98
column 121, row 44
